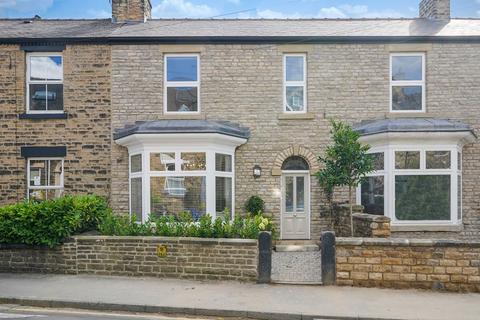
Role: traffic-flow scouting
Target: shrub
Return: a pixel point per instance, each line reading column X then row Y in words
column 255, row 205
column 50, row 222
column 171, row 226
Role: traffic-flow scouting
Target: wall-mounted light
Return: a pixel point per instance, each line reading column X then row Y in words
column 257, row 171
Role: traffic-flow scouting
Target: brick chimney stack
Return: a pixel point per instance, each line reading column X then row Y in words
column 435, row 9
column 131, row 10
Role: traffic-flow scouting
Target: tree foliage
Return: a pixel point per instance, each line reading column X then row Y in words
column 345, row 162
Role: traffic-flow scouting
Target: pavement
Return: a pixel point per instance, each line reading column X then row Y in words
column 234, row 299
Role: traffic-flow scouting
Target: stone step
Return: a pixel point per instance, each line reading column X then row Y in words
column 296, row 248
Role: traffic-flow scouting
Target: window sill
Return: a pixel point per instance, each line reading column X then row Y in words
column 427, row 228
column 43, row 116
column 179, row 116
column 296, row 116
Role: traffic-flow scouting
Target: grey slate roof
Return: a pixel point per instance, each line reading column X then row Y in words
column 410, row 125
column 234, row 28
column 183, row 126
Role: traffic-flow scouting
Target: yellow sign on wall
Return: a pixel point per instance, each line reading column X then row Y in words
column 162, row 251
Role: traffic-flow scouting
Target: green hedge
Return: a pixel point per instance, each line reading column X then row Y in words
column 52, row 221
column 183, row 226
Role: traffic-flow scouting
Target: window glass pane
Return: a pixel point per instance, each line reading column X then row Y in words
column 378, row 160
column 54, row 96
column 422, row 197
column 38, row 173
column 438, row 159
column 459, row 198
column 300, row 193
column 407, row 97
column 182, row 99
column 407, row 159
column 164, row 161
column 294, row 98
column 38, row 96
column 46, row 68
column 181, row 68
column 193, row 161
column 55, row 172
column 174, row 195
column 288, row 194
column 223, row 193
column 223, row 162
column 136, row 198
column 295, row 163
column 372, row 195
column 294, row 68
column 136, row 163
column 407, row 68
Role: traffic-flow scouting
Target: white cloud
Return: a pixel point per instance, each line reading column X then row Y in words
column 29, row 6
column 331, row 13
column 270, row 14
column 356, row 11
column 99, row 14
column 182, row 9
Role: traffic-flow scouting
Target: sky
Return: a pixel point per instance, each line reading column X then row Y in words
column 63, row 9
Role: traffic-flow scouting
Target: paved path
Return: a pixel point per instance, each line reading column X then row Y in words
column 296, row 267
column 251, row 299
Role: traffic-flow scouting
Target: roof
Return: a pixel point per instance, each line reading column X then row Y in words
column 183, row 126
column 366, row 128
column 12, row 30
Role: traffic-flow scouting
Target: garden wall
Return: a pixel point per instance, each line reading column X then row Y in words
column 402, row 263
column 189, row 258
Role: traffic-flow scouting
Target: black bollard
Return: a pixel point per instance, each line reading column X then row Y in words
column 264, row 257
column 329, row 273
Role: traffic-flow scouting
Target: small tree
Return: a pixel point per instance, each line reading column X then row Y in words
column 346, row 162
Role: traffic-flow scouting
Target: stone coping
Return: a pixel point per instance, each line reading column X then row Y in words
column 190, row 240
column 405, row 242
column 371, row 217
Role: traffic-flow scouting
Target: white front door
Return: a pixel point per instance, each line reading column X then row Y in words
column 295, row 206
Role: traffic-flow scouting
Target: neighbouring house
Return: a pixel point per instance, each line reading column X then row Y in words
column 164, row 116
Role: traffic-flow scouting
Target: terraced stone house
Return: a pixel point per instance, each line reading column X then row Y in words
column 164, row 116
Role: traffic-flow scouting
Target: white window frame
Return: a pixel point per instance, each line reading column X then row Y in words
column 377, row 173
column 168, row 84
column 210, row 174
column 389, row 181
column 58, row 187
column 28, row 81
column 399, row 83
column 294, row 83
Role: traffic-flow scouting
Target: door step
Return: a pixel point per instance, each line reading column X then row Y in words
column 296, row 247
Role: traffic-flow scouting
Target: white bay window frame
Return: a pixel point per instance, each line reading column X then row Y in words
column 207, row 143
column 389, row 143
column 294, row 83
column 402, row 83
column 178, row 84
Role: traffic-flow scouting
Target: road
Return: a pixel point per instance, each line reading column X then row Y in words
column 26, row 313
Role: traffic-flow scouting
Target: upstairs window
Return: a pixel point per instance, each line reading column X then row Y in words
column 295, row 83
column 44, row 83
column 407, row 82
column 182, row 84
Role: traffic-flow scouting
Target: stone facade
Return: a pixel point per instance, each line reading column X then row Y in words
column 425, row 264
column 371, row 226
column 233, row 89
column 185, row 258
column 86, row 132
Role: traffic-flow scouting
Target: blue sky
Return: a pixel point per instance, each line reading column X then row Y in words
column 234, row 8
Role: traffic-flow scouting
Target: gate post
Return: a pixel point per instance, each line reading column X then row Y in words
column 329, row 273
column 264, row 268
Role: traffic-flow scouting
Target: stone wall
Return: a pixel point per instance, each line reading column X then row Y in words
column 186, row 258
column 401, row 263
column 371, row 226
